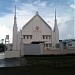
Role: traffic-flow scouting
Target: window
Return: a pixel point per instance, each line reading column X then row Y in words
column 46, row 45
column 30, row 36
column 69, row 44
column 24, row 36
column 46, row 37
column 27, row 36
column 49, row 36
column 50, row 45
column 43, row 37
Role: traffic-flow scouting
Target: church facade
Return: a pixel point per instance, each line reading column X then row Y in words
column 37, row 38
column 36, row 31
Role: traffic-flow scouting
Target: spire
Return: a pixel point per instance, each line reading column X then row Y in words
column 15, row 42
column 15, row 12
column 55, row 14
column 55, row 24
column 15, row 23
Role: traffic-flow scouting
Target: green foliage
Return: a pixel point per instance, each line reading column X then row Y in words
column 2, row 47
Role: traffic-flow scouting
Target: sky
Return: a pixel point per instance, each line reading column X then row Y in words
column 26, row 9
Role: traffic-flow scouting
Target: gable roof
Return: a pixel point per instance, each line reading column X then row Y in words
column 33, row 18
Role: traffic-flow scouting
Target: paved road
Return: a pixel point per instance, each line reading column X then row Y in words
column 11, row 62
column 2, row 55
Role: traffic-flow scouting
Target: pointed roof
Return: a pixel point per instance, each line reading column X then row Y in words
column 55, row 24
column 15, row 23
column 37, row 14
column 15, row 12
column 55, row 14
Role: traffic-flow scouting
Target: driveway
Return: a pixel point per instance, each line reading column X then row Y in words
column 11, row 62
column 2, row 55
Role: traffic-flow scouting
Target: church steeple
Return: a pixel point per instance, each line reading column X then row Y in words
column 55, row 15
column 55, row 31
column 55, row 22
column 15, row 32
column 15, row 23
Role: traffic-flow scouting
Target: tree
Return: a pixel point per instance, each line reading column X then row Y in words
column 2, row 47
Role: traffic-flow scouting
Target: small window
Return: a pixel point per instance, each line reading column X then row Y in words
column 24, row 36
column 30, row 36
column 46, row 37
column 46, row 45
column 69, row 44
column 49, row 37
column 50, row 45
column 27, row 37
column 43, row 37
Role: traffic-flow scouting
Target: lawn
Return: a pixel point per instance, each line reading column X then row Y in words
column 52, row 60
column 44, row 65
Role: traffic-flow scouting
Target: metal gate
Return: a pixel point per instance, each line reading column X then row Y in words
column 33, row 49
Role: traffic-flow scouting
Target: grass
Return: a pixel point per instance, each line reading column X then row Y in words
column 44, row 65
column 37, row 70
column 52, row 61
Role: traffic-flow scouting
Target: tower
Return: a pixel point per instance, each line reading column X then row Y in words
column 56, row 30
column 15, row 32
column 55, row 34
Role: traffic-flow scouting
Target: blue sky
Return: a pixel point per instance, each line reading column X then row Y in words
column 26, row 9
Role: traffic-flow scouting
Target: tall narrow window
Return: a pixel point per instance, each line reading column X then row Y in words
column 46, row 45
column 49, row 36
column 30, row 36
column 27, row 36
column 46, row 37
column 23, row 36
column 50, row 45
column 43, row 37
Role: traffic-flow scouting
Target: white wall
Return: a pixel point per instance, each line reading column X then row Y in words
column 15, row 39
column 73, row 45
column 9, row 46
column 12, row 54
column 30, row 29
column 33, row 49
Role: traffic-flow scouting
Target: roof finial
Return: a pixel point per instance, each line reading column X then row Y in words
column 37, row 12
column 55, row 13
column 15, row 11
column 55, row 24
column 15, row 22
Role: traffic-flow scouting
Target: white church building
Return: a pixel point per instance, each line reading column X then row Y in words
column 36, row 37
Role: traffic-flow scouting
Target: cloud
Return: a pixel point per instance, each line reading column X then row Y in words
column 26, row 11
column 52, row 4
column 6, row 25
column 72, row 6
column 67, row 29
